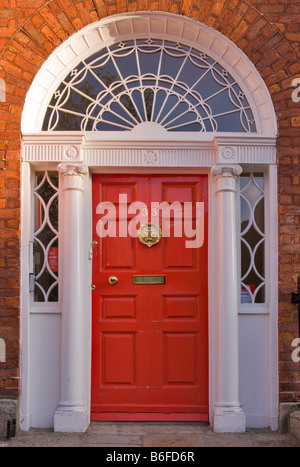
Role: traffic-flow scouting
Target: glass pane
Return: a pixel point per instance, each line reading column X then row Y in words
column 38, row 258
column 245, row 214
column 53, row 213
column 259, row 215
column 252, row 207
column 144, row 80
column 252, row 237
column 53, row 295
column 45, row 238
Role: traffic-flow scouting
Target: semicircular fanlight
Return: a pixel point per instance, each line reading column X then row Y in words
column 155, row 81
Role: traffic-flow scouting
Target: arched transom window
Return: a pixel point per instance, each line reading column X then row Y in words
column 149, row 80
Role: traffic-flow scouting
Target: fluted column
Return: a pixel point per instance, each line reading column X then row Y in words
column 72, row 414
column 228, row 415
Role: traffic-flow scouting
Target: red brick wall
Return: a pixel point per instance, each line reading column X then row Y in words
column 268, row 31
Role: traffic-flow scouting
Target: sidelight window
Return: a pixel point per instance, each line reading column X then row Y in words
column 44, row 274
column 253, row 238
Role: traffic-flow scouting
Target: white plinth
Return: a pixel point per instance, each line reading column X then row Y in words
column 229, row 421
column 71, row 419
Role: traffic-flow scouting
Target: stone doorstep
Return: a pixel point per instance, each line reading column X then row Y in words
column 295, row 424
column 285, row 410
column 8, row 411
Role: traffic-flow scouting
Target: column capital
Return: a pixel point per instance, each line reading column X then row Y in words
column 72, row 169
column 226, row 176
column 227, row 170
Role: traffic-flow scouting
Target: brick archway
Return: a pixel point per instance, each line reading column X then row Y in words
column 32, row 34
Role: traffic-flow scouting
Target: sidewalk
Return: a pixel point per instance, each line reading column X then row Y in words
column 137, row 435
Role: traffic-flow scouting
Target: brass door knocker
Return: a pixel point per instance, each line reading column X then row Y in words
column 149, row 234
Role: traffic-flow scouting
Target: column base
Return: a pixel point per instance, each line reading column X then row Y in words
column 229, row 421
column 71, row 419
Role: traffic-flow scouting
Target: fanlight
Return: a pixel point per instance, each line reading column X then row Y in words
column 157, row 81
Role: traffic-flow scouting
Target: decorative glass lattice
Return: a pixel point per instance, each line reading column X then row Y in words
column 252, row 238
column 45, row 237
column 156, row 81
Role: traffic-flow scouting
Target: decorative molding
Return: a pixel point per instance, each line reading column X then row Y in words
column 46, row 147
column 133, row 157
column 256, row 155
column 227, row 170
column 253, row 150
column 228, row 154
column 71, row 153
column 97, row 152
column 226, row 177
column 150, row 158
column 72, row 169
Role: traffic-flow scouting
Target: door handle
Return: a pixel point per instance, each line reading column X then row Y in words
column 113, row 280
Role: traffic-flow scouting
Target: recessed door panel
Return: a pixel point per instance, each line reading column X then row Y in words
column 119, row 358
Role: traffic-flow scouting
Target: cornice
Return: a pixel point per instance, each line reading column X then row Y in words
column 96, row 152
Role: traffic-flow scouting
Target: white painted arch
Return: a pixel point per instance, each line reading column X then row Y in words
column 122, row 27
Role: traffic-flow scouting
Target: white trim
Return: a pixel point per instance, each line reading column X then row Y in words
column 272, row 254
column 97, row 152
column 25, row 421
column 144, row 24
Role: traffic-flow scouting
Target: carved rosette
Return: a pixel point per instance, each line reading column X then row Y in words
column 71, row 153
column 150, row 158
column 228, row 154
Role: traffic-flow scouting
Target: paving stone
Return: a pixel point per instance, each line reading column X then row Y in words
column 280, row 440
column 227, row 440
column 111, row 440
column 163, row 428
column 170, row 441
column 137, row 435
column 295, row 424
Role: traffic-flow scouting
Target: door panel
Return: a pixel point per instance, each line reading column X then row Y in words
column 149, row 342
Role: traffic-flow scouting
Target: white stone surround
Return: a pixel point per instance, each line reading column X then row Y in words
column 219, row 155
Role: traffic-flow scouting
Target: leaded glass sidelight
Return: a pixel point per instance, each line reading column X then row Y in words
column 157, row 81
column 253, row 235
column 45, row 237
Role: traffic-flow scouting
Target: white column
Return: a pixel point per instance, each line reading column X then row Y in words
column 228, row 415
column 72, row 414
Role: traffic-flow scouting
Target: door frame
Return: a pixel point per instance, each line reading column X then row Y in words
column 95, row 156
column 79, row 153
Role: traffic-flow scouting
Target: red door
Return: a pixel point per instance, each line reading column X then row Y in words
column 150, row 340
